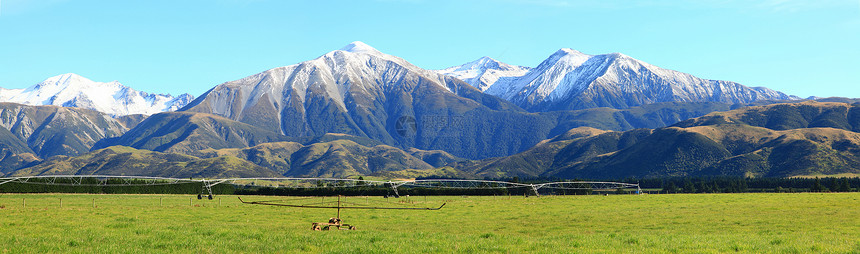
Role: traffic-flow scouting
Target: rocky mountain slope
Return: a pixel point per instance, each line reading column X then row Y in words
column 14, row 153
column 52, row 130
column 188, row 133
column 362, row 92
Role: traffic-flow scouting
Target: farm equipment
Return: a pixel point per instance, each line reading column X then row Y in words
column 337, row 223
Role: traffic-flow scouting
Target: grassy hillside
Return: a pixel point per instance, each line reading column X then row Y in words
column 728, row 150
column 118, row 160
column 336, row 158
column 343, row 158
column 786, row 116
column 779, row 140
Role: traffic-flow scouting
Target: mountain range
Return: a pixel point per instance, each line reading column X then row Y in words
column 30, row 133
column 570, row 80
column 72, row 90
column 358, row 111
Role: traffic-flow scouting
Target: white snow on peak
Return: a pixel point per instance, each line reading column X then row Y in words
column 72, row 90
column 355, row 68
column 360, row 47
column 570, row 51
column 557, row 72
column 568, row 73
column 568, row 57
column 484, row 72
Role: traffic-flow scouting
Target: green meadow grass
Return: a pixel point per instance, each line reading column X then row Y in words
column 678, row 223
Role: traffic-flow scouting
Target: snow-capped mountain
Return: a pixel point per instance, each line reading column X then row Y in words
column 360, row 91
column 570, row 79
column 72, row 90
column 484, row 72
column 354, row 79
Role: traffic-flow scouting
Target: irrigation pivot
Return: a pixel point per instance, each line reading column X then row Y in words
column 332, row 186
column 334, row 222
column 394, row 187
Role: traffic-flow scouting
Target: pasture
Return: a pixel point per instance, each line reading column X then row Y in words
column 677, row 223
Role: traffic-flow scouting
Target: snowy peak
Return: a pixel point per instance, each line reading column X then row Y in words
column 570, row 79
column 484, row 72
column 63, row 79
column 482, row 63
column 487, row 63
column 340, row 76
column 360, row 47
column 569, row 51
column 346, row 91
column 566, row 56
column 66, row 83
column 72, row 90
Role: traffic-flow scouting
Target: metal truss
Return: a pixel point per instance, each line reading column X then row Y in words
column 301, row 183
column 310, row 183
column 94, row 180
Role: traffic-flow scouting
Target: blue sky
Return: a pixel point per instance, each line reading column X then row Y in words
column 803, row 48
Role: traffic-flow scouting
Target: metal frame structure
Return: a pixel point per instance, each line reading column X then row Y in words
column 295, row 182
column 103, row 180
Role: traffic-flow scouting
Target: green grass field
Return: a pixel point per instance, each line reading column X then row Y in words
column 678, row 223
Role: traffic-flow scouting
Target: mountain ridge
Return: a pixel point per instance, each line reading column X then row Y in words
column 484, row 72
column 72, row 90
column 569, row 80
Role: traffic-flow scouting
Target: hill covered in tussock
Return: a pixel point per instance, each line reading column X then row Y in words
column 781, row 140
column 118, row 160
column 339, row 156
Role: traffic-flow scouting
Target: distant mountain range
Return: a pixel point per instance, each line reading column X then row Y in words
column 72, row 90
column 361, row 91
column 570, row 80
column 484, row 72
column 30, row 133
column 777, row 140
column 358, row 111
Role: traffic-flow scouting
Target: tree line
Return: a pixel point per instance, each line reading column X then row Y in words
column 112, row 186
column 711, row 184
column 725, row 184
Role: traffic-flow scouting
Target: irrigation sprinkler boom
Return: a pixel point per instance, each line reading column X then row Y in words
column 312, row 183
column 334, row 222
column 317, row 183
column 339, row 206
